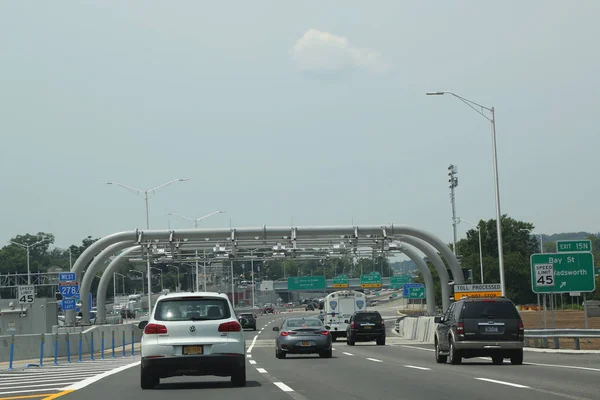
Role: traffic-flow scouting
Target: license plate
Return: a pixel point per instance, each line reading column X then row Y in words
column 190, row 350
column 491, row 329
column 305, row 344
column 366, row 327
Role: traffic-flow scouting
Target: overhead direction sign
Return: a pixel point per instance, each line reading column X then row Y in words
column 372, row 280
column 483, row 290
column 573, row 272
column 26, row 294
column 416, row 292
column 307, row 283
column 570, row 246
column 407, row 288
column 341, row 281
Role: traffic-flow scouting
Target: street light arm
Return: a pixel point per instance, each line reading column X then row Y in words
column 209, row 215
column 130, row 188
column 18, row 244
column 181, row 216
column 468, row 102
column 152, row 192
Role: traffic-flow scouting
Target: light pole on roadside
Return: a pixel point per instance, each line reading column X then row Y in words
column 162, row 288
column 146, row 195
column 178, row 283
column 149, row 291
column 492, row 118
column 195, row 221
column 480, row 247
column 27, row 247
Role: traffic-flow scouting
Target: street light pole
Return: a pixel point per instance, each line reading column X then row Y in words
column 147, row 194
column 27, row 247
column 453, row 180
column 492, row 119
column 195, row 221
column 480, row 247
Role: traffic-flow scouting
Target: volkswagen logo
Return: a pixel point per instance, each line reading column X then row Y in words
column 192, row 328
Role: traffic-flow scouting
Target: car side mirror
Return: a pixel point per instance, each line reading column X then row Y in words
column 276, row 329
column 327, row 327
column 438, row 320
column 345, row 321
column 142, row 324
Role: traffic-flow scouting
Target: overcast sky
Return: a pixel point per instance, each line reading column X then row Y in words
column 311, row 113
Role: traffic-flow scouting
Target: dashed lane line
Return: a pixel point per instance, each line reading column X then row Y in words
column 252, row 345
column 261, row 370
column 374, row 359
column 348, row 354
column 504, row 383
column 283, row 386
column 417, row 367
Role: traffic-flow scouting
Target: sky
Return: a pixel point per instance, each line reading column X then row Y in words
column 300, row 113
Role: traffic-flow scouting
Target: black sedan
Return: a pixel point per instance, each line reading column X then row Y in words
column 302, row 336
column 247, row 320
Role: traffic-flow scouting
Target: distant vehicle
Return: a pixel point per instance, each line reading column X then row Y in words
column 339, row 307
column 193, row 334
column 309, row 307
column 269, row 309
column 366, row 326
column 247, row 320
column 302, row 336
column 480, row 327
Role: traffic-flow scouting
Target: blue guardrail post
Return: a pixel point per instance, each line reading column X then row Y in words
column 12, row 352
column 68, row 343
column 42, row 350
column 102, row 346
column 80, row 346
column 113, row 344
column 124, row 343
column 56, row 348
column 132, row 342
column 92, row 346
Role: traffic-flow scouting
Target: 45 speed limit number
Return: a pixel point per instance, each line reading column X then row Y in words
column 544, row 275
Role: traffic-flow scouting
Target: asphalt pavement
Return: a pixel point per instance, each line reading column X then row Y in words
column 401, row 369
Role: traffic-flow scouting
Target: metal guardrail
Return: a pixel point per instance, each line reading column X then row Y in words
column 544, row 335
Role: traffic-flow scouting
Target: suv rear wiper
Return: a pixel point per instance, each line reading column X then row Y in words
column 200, row 319
column 490, row 316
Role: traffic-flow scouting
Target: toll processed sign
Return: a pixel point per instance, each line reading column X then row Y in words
column 307, row 283
column 573, row 272
column 482, row 290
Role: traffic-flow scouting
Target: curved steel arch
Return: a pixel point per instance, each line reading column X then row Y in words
column 429, row 286
column 437, row 261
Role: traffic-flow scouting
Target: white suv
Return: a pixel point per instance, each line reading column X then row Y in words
column 192, row 334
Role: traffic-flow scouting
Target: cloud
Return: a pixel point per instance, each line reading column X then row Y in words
column 325, row 53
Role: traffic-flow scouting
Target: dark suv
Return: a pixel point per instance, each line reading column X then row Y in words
column 476, row 327
column 365, row 326
column 247, row 320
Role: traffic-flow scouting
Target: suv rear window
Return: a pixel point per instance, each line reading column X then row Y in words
column 367, row 317
column 192, row 309
column 492, row 309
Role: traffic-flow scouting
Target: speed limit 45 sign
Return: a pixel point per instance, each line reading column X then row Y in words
column 544, row 275
column 26, row 294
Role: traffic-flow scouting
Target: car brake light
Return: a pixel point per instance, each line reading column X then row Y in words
column 351, row 325
column 287, row 333
column 325, row 333
column 460, row 328
column 155, row 329
column 231, row 326
column 521, row 328
column 383, row 323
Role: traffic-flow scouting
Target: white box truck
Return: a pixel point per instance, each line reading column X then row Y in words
column 339, row 307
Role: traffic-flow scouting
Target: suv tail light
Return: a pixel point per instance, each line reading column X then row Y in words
column 325, row 333
column 382, row 323
column 287, row 333
column 231, row 326
column 352, row 325
column 460, row 328
column 155, row 329
column 521, row 330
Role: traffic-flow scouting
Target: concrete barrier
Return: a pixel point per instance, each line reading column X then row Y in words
column 27, row 347
column 421, row 329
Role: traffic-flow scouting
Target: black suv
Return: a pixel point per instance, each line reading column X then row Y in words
column 476, row 327
column 247, row 320
column 365, row 326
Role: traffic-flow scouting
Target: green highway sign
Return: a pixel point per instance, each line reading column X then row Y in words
column 562, row 272
column 341, row 281
column 307, row 283
column 372, row 280
column 570, row 246
column 400, row 279
column 416, row 292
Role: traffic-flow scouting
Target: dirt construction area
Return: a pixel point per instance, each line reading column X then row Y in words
column 563, row 319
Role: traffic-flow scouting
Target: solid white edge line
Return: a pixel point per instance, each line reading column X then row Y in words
column 504, row 383
column 374, row 359
column 283, row 386
column 252, row 344
column 253, row 362
column 417, row 367
column 416, row 347
column 261, row 370
column 89, row 381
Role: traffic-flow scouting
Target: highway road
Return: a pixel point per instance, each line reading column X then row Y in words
column 401, row 369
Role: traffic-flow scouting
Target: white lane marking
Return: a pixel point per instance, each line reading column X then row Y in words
column 253, row 362
column 504, row 383
column 348, row 354
column 26, row 391
column 252, row 344
column 249, row 356
column 90, row 380
column 417, row 367
column 374, row 359
column 333, row 349
column 261, row 370
column 416, row 347
column 552, row 365
column 283, row 386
